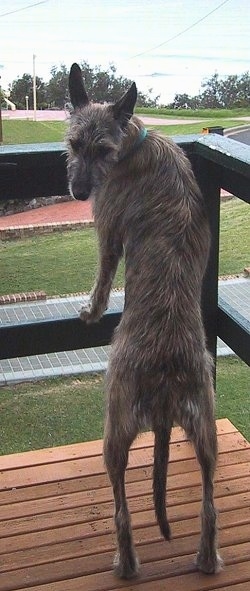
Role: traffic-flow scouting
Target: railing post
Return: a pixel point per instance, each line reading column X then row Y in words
column 207, row 175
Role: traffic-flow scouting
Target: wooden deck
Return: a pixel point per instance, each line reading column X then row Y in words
column 56, row 524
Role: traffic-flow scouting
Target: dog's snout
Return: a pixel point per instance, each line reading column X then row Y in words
column 80, row 193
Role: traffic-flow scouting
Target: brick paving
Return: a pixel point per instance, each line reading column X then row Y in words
column 69, row 211
column 235, row 292
column 43, row 220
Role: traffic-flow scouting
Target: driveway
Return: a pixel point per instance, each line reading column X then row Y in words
column 240, row 135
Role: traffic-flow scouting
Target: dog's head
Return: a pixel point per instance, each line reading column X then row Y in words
column 95, row 136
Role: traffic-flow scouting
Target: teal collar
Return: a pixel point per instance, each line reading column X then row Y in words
column 140, row 138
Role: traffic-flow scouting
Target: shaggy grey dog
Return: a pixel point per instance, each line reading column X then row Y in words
column 148, row 206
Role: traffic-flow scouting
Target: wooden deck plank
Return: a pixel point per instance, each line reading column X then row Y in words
column 92, row 486
column 91, row 448
column 157, row 550
column 181, row 576
column 103, row 577
column 101, row 533
column 238, row 587
column 142, row 491
column 179, row 452
column 103, row 514
column 56, row 518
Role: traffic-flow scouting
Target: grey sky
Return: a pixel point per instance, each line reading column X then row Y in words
column 104, row 31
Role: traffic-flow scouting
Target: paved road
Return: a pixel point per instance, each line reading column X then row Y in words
column 49, row 115
column 40, row 115
column 241, row 136
column 63, row 115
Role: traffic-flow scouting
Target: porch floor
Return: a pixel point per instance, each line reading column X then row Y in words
column 56, row 524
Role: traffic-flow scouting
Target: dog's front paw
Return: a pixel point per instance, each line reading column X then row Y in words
column 88, row 315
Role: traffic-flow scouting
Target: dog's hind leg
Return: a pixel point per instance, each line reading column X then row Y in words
column 199, row 423
column 120, row 431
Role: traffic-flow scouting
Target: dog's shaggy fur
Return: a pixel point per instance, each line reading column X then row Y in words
column 148, row 206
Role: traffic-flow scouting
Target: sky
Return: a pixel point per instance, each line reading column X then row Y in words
column 170, row 46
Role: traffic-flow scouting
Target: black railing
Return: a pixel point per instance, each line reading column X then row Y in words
column 38, row 170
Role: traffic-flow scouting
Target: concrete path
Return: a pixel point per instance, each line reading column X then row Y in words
column 54, row 115
column 63, row 116
column 235, row 291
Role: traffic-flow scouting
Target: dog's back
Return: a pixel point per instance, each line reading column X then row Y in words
column 158, row 214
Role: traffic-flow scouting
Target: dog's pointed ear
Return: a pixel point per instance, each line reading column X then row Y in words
column 124, row 108
column 78, row 95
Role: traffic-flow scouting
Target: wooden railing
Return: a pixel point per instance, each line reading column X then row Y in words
column 29, row 171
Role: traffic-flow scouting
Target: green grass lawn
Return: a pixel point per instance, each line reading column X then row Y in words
column 185, row 129
column 66, row 262
column 51, row 412
column 234, row 237
column 29, row 132
column 66, row 410
column 193, row 113
column 232, row 399
column 59, row 263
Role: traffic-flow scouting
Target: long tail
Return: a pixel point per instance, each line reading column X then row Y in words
column 161, row 455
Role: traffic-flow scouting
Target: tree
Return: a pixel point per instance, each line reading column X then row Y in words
column 230, row 92
column 181, row 101
column 2, row 102
column 22, row 87
column 106, row 85
column 184, row 101
column 210, row 97
column 101, row 85
column 57, row 87
column 235, row 91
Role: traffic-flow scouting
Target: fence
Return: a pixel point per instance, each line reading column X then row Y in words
column 29, row 171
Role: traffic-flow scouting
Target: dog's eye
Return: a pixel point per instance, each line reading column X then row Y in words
column 75, row 145
column 102, row 151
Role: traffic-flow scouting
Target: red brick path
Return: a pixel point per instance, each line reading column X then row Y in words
column 71, row 211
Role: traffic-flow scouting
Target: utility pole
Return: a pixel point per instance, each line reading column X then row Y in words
column 34, row 85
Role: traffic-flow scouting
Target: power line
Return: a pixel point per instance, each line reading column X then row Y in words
column 181, row 32
column 24, row 8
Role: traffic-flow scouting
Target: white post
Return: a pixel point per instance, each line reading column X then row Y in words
column 34, row 85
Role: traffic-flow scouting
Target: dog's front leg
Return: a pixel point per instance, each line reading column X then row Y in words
column 110, row 254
